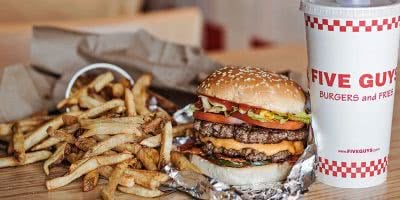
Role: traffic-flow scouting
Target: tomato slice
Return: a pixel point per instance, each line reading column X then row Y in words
column 217, row 118
column 289, row 125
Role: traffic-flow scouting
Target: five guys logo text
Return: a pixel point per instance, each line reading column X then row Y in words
column 344, row 80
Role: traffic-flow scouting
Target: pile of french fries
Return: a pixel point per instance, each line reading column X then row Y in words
column 108, row 132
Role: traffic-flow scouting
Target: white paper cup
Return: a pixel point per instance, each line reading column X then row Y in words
column 352, row 55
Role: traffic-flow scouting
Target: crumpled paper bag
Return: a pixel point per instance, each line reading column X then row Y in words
column 56, row 54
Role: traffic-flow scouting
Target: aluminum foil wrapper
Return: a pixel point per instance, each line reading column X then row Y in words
column 199, row 186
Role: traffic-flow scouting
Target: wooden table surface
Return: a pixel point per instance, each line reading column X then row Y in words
column 28, row 181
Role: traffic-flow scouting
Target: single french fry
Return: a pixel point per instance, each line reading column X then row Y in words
column 63, row 136
column 86, row 167
column 152, row 126
column 85, row 143
column 147, row 179
column 85, row 123
column 107, row 193
column 69, row 119
column 89, row 102
column 152, row 142
column 182, row 163
column 67, row 102
column 126, row 180
column 32, row 157
column 130, row 103
column 141, row 191
column 5, row 129
column 25, row 129
column 110, row 143
column 78, row 163
column 122, row 120
column 94, row 112
column 71, row 129
column 100, row 138
column 75, row 108
column 117, row 90
column 129, row 147
column 41, row 133
column 73, row 157
column 101, row 81
column 49, row 142
column 111, row 129
column 164, row 102
column 140, row 93
column 18, row 143
column 90, row 180
column 146, row 158
column 34, row 121
column 166, row 145
column 57, row 156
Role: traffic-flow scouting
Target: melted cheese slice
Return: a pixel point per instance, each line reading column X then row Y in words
column 294, row 147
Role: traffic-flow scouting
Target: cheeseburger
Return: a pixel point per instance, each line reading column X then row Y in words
column 250, row 126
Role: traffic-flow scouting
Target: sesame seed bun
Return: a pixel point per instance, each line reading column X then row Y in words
column 254, row 87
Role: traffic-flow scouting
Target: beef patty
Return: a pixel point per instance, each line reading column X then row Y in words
column 248, row 134
column 247, row 153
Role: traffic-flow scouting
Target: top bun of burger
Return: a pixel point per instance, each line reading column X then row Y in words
column 254, row 87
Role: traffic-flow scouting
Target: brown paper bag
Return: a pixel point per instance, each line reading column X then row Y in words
column 56, row 54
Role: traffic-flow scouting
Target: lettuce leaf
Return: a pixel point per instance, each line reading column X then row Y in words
column 301, row 116
column 267, row 116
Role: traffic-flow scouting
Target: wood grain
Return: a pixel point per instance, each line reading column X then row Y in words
column 28, row 181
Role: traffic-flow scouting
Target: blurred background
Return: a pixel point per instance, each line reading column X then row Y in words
column 213, row 25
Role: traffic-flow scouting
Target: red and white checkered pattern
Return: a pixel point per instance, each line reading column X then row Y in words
column 352, row 169
column 342, row 25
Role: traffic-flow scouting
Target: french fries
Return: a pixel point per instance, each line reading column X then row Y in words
column 62, row 135
column 111, row 129
column 166, row 145
column 140, row 93
column 126, row 120
column 149, row 158
column 130, row 103
column 126, row 180
column 86, row 167
column 10, row 161
column 18, row 143
column 41, row 133
column 147, row 179
column 101, row 81
column 58, row 155
column 110, row 143
column 141, row 191
column 118, row 90
column 90, row 180
column 108, row 131
column 49, row 142
column 177, row 131
column 93, row 112
column 182, row 163
column 89, row 102
column 164, row 102
column 5, row 129
column 85, row 143
column 107, row 192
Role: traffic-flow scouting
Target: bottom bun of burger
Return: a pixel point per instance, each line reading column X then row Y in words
column 272, row 172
